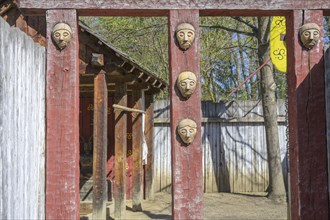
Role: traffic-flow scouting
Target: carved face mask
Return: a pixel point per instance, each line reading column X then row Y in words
column 186, row 83
column 62, row 34
column 185, row 34
column 187, row 130
column 309, row 35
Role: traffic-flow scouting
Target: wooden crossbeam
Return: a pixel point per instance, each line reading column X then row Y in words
column 161, row 7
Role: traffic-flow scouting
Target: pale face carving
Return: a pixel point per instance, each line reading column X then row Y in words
column 309, row 35
column 187, row 130
column 185, row 34
column 186, row 83
column 62, row 35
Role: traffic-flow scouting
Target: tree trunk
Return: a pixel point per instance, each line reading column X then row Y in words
column 276, row 189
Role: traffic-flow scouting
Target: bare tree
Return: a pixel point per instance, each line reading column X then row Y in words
column 276, row 189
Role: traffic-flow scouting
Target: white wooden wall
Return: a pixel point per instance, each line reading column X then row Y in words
column 234, row 147
column 22, row 125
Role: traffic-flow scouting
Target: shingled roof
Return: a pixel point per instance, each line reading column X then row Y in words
column 118, row 66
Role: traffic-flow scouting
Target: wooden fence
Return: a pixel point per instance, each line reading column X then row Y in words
column 234, row 146
column 22, row 125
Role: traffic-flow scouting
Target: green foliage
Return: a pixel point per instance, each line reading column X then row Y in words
column 228, row 51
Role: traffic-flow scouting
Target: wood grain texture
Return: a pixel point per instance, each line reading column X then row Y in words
column 62, row 93
column 137, row 135
column 327, row 92
column 100, row 137
column 307, row 122
column 120, row 152
column 149, row 134
column 176, row 4
column 187, row 177
column 22, row 125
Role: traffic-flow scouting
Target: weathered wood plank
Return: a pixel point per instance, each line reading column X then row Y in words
column 249, row 137
column 137, row 135
column 100, row 144
column 307, row 122
column 22, row 125
column 327, row 86
column 120, row 152
column 158, row 7
column 187, row 179
column 149, row 134
column 62, row 139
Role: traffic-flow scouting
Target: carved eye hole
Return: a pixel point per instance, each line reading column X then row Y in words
column 183, row 84
column 181, row 34
column 190, row 34
column 306, row 34
column 183, row 131
column 57, row 34
column 65, row 34
column 192, row 83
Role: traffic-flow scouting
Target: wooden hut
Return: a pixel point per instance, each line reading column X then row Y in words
column 97, row 55
column 130, row 87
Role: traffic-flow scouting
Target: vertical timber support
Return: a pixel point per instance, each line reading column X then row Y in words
column 187, row 177
column 62, row 114
column 120, row 152
column 307, row 121
column 100, row 146
column 149, row 134
column 137, row 171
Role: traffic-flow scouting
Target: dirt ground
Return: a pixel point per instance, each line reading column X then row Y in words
column 216, row 206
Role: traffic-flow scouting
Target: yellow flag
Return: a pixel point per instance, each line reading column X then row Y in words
column 277, row 43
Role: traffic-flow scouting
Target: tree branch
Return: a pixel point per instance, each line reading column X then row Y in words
column 240, row 19
column 229, row 29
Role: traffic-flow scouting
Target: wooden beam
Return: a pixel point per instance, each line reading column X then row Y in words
column 100, row 137
column 62, row 98
column 97, row 59
column 137, row 172
column 307, row 122
column 149, row 134
column 127, row 109
column 120, row 152
column 187, row 175
column 160, row 7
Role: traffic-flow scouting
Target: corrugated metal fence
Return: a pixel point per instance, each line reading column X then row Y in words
column 234, row 146
column 22, row 125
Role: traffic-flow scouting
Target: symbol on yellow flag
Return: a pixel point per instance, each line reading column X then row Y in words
column 277, row 43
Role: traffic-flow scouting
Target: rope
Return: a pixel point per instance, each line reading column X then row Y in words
column 249, row 77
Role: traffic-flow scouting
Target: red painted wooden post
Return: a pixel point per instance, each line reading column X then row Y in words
column 149, row 134
column 120, row 152
column 307, row 122
column 100, row 147
column 187, row 177
column 62, row 150
column 137, row 172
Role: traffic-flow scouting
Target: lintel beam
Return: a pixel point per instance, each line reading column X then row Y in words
column 161, row 7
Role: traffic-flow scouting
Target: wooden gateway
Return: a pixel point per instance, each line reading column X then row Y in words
column 309, row 184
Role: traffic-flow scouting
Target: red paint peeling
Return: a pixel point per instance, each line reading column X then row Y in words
column 187, row 185
column 62, row 151
column 307, row 137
